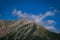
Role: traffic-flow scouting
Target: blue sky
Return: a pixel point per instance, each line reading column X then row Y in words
column 34, row 7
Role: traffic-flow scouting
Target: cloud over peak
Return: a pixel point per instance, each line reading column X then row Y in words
column 49, row 24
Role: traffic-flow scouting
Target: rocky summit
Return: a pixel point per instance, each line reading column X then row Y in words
column 25, row 30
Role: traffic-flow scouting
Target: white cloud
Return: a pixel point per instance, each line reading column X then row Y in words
column 38, row 18
column 52, row 28
column 14, row 12
column 50, row 25
column 20, row 14
column 48, row 13
column 50, row 22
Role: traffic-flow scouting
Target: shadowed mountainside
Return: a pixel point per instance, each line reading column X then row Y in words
column 25, row 30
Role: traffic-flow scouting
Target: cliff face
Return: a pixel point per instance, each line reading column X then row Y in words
column 25, row 30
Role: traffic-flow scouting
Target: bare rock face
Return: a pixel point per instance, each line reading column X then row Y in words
column 24, row 30
column 4, row 27
column 2, row 23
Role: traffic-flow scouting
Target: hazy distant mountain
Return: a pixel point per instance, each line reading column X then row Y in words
column 25, row 30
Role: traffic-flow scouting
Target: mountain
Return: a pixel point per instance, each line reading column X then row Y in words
column 25, row 30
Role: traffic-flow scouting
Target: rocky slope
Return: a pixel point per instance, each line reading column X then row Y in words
column 25, row 30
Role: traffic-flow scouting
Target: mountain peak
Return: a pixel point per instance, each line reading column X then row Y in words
column 25, row 29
